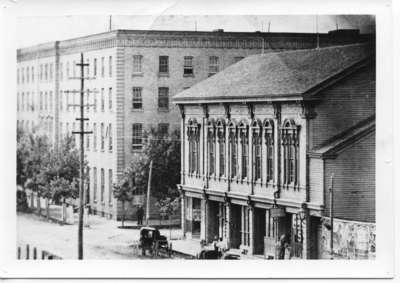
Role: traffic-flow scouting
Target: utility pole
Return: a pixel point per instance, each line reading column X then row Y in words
column 148, row 194
column 331, row 214
column 316, row 19
column 82, row 134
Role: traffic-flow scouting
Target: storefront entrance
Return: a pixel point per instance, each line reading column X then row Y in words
column 259, row 230
column 213, row 219
column 193, row 217
column 236, row 224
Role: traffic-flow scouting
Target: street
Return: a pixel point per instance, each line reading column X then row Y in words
column 102, row 239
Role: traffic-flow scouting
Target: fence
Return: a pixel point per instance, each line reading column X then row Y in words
column 29, row 252
column 63, row 213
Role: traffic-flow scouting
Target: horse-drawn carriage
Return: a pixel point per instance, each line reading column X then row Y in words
column 153, row 241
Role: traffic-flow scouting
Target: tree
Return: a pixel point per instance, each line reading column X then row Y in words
column 167, row 207
column 123, row 190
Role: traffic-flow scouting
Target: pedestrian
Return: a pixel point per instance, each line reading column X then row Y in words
column 139, row 214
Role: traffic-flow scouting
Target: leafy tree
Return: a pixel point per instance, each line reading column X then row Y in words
column 168, row 207
column 123, row 190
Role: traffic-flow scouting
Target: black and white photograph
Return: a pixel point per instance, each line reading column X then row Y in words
column 198, row 138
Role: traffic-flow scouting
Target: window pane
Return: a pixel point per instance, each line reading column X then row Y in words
column 137, row 63
column 163, row 99
column 163, row 64
column 213, row 65
column 188, row 65
column 137, row 136
column 137, row 98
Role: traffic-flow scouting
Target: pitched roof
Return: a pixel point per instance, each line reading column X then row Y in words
column 333, row 145
column 277, row 75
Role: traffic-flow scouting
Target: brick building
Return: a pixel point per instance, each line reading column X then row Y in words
column 260, row 142
column 135, row 74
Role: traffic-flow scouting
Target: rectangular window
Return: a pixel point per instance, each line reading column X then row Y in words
column 95, row 102
column 33, row 101
column 67, row 71
column 102, row 136
column 102, row 100
column 27, row 74
column 87, row 100
column 46, row 72
column 213, row 65
column 23, row 75
column 27, row 101
column 17, row 76
column 163, row 128
column 102, row 184
column 137, row 102
column 61, row 72
column 110, row 186
column 51, row 100
column 110, row 104
column 87, row 138
column 163, row 98
column 221, row 157
column 234, row 151
column 41, row 72
column 45, row 101
column 269, row 140
column 110, row 141
column 163, row 65
column 94, row 67
column 33, row 74
column 74, row 69
column 188, row 66
column 245, row 159
column 110, row 66
column 40, row 101
column 102, row 67
column 137, row 64
column 23, row 102
column 94, row 137
column 137, row 136
column 257, row 156
column 51, row 72
column 67, row 100
column 87, row 68
column 94, row 183
column 211, row 155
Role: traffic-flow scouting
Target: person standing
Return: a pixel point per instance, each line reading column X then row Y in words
column 139, row 214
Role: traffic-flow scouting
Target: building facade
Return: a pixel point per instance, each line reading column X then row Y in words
column 261, row 141
column 134, row 75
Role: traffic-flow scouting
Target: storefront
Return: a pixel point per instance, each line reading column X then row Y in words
column 193, row 217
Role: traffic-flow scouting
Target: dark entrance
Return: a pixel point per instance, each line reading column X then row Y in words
column 259, row 230
column 196, row 218
column 236, row 224
column 213, row 220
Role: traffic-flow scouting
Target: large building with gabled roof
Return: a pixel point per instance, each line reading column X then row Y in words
column 263, row 142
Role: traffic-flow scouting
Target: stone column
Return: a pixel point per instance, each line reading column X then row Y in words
column 228, row 223
column 204, row 215
column 251, row 229
column 306, row 236
column 183, row 214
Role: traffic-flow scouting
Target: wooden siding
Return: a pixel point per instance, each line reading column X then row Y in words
column 344, row 105
column 354, row 181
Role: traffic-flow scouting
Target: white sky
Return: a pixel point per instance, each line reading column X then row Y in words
column 34, row 30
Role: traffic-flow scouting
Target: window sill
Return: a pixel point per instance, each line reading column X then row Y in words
column 163, row 110
column 163, row 75
column 137, row 110
column 188, row 75
column 138, row 74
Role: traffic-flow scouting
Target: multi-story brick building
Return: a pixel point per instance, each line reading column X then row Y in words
column 135, row 74
column 260, row 142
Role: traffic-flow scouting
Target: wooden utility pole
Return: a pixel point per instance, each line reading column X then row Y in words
column 82, row 134
column 148, row 194
column 331, row 214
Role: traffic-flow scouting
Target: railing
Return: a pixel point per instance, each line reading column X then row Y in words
column 28, row 252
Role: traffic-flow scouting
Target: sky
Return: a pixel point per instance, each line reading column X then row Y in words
column 34, row 30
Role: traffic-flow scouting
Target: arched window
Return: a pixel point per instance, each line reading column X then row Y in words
column 269, row 145
column 211, row 147
column 193, row 134
column 233, row 148
column 221, row 144
column 256, row 149
column 244, row 143
column 290, row 152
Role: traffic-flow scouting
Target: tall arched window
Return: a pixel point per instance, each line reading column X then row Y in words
column 211, row 147
column 290, row 152
column 244, row 145
column 256, row 149
column 221, row 146
column 193, row 134
column 269, row 148
column 233, row 148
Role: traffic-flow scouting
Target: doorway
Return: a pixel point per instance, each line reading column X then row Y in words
column 259, row 230
column 236, row 224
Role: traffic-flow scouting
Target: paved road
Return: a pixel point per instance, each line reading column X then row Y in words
column 102, row 240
